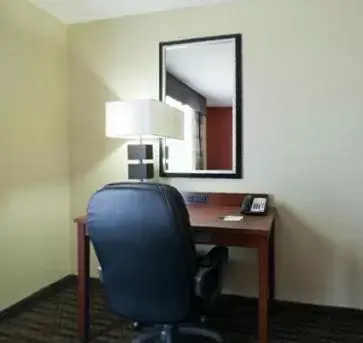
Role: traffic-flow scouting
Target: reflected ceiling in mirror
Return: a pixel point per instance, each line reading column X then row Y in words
column 202, row 77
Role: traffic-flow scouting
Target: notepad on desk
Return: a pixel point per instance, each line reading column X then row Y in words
column 232, row 218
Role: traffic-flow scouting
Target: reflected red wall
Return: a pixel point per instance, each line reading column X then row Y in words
column 219, row 137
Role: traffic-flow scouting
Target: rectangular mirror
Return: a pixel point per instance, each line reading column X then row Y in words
column 202, row 77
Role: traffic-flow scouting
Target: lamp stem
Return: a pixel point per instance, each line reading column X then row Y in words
column 141, row 161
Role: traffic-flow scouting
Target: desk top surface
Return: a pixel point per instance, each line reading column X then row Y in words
column 208, row 218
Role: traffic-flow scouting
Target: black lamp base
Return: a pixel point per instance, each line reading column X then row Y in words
column 142, row 170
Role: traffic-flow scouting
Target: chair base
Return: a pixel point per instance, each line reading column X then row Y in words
column 170, row 334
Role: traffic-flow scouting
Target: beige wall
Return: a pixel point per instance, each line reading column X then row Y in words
column 34, row 182
column 303, row 107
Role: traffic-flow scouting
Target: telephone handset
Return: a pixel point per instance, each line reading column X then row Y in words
column 254, row 204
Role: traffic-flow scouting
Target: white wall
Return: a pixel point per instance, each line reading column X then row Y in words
column 34, row 165
column 302, row 123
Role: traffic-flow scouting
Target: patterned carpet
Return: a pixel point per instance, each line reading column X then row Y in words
column 53, row 319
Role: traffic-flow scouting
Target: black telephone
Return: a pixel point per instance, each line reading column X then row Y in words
column 255, row 204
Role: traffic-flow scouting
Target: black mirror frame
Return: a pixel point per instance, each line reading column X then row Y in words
column 237, row 174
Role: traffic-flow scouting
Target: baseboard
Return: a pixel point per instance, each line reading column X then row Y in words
column 275, row 302
column 28, row 301
column 303, row 306
column 71, row 279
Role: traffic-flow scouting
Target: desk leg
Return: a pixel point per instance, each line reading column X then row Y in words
column 263, row 291
column 271, row 281
column 83, row 291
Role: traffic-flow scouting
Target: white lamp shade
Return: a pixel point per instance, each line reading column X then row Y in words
column 143, row 118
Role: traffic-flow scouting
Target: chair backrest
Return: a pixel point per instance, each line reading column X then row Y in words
column 142, row 238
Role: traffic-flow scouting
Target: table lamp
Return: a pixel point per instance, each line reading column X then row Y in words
column 140, row 120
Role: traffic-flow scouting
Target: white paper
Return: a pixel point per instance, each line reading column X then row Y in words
column 232, row 218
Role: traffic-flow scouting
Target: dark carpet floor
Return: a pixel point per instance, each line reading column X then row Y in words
column 53, row 319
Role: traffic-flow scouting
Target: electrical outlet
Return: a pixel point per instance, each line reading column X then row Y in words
column 196, row 198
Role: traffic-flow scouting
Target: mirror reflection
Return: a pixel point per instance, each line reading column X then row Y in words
column 199, row 77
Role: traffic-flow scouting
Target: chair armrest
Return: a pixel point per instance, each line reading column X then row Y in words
column 215, row 256
column 208, row 280
column 199, row 280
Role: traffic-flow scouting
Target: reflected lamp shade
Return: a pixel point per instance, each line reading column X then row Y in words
column 143, row 119
column 146, row 118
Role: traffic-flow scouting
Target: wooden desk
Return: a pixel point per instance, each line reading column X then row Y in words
column 252, row 231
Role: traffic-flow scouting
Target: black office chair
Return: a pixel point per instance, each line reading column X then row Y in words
column 150, row 268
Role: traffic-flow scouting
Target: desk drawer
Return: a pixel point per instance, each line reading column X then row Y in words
column 203, row 237
column 228, row 239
